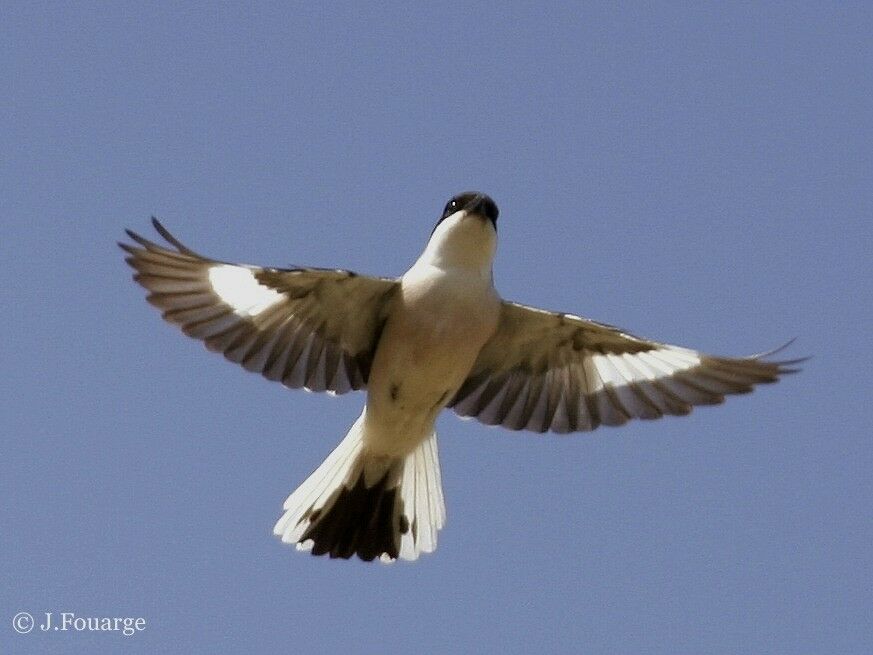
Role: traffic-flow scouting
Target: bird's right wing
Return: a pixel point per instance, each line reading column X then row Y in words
column 547, row 371
column 304, row 327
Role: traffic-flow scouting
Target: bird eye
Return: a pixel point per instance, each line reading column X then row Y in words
column 472, row 202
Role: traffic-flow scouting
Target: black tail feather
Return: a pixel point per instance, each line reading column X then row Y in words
column 363, row 521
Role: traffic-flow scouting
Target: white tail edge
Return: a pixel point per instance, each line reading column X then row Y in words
column 371, row 506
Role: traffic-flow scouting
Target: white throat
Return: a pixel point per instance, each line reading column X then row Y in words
column 462, row 241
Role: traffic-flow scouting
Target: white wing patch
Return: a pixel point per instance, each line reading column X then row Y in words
column 238, row 287
column 310, row 328
column 544, row 371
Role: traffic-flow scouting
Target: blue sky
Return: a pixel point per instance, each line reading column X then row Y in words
column 697, row 174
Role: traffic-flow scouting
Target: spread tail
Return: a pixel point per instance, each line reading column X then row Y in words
column 371, row 506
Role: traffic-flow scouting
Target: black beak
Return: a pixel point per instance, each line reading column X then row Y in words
column 483, row 205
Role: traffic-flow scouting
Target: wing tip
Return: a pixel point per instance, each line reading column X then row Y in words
column 777, row 349
column 783, row 366
column 141, row 240
column 169, row 238
column 150, row 245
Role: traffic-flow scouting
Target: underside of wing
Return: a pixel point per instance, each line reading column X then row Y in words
column 543, row 371
column 304, row 327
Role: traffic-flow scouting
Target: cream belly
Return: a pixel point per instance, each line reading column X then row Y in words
column 429, row 344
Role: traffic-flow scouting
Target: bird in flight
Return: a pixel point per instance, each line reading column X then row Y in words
column 440, row 336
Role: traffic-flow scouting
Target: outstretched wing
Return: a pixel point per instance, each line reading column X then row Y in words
column 311, row 328
column 545, row 371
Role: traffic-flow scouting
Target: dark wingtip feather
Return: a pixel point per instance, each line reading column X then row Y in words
column 145, row 243
column 788, row 366
column 783, row 366
column 173, row 241
column 133, row 235
column 778, row 349
column 789, row 362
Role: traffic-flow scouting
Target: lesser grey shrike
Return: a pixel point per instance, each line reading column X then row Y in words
column 440, row 336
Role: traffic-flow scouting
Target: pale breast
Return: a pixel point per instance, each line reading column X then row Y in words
column 428, row 346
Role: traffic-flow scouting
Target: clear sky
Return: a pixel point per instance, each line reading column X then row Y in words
column 697, row 174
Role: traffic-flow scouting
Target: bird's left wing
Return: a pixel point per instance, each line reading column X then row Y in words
column 303, row 327
column 545, row 371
